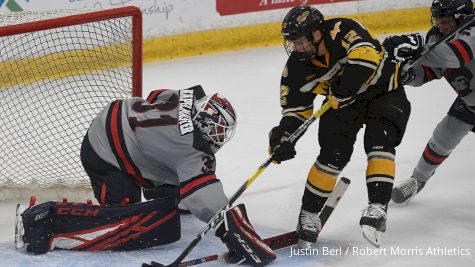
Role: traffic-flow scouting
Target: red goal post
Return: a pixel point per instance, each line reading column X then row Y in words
column 58, row 69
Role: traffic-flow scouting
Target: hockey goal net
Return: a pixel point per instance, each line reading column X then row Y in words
column 58, row 69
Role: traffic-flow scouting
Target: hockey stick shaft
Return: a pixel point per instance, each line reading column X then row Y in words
column 220, row 214
column 290, row 238
column 465, row 23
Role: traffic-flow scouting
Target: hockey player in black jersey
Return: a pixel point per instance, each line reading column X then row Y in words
column 453, row 61
column 340, row 59
column 165, row 144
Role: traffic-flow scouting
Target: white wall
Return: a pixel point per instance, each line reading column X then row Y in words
column 171, row 17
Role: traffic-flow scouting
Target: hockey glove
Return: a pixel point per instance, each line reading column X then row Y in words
column 404, row 47
column 38, row 225
column 244, row 244
column 407, row 76
column 280, row 148
column 336, row 97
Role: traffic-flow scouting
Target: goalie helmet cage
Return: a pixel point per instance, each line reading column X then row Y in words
column 58, row 69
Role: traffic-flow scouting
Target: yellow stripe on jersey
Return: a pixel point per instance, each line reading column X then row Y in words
column 284, row 91
column 301, row 113
column 396, row 77
column 305, row 114
column 365, row 54
column 321, row 180
column 381, row 166
column 323, row 64
column 322, row 88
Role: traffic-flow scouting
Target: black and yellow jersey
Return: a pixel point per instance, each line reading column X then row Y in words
column 355, row 64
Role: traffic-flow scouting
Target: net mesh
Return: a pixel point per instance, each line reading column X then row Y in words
column 52, row 84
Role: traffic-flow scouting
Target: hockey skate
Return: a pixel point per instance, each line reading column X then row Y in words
column 406, row 190
column 19, row 230
column 373, row 223
column 308, row 227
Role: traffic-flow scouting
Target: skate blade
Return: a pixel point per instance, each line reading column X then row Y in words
column 403, row 203
column 304, row 244
column 372, row 235
column 19, row 230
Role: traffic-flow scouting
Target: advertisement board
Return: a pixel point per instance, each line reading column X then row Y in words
column 174, row 17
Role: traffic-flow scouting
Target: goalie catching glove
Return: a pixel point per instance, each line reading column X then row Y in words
column 244, row 244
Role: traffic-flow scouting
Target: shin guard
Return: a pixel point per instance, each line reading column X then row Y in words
column 320, row 183
column 380, row 176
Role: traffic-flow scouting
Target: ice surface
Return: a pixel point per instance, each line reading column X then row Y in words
column 442, row 217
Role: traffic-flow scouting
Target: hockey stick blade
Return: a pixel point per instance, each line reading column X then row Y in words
column 290, row 238
column 218, row 217
column 469, row 20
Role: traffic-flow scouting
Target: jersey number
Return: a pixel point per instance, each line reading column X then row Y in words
column 164, row 120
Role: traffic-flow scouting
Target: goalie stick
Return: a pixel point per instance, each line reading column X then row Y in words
column 290, row 238
column 220, row 214
column 465, row 23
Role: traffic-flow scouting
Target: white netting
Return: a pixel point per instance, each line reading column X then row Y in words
column 15, row 18
column 52, row 84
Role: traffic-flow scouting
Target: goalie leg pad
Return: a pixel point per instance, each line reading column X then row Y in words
column 118, row 228
column 78, row 226
column 244, row 243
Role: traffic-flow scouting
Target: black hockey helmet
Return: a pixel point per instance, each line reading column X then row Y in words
column 301, row 21
column 457, row 8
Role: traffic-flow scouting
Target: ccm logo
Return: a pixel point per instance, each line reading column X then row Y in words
column 77, row 211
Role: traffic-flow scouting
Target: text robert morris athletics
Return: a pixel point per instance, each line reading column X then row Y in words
column 369, row 251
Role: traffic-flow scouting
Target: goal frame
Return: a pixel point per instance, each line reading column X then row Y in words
column 90, row 17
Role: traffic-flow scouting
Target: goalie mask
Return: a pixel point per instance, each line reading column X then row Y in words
column 216, row 119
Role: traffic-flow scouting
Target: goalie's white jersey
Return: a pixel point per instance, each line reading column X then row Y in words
column 155, row 141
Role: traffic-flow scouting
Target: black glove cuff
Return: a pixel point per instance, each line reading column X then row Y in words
column 408, row 76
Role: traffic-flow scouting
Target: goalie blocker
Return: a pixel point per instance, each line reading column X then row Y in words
column 86, row 227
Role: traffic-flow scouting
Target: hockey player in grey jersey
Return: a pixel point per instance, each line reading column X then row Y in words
column 165, row 144
column 154, row 143
column 453, row 61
